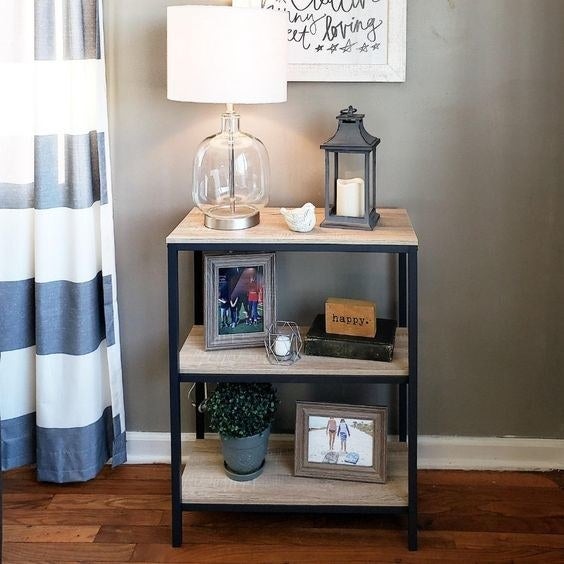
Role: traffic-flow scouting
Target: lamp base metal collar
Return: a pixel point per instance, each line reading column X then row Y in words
column 223, row 218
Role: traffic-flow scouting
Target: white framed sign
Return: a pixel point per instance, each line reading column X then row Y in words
column 343, row 40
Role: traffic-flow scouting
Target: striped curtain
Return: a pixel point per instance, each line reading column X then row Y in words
column 61, row 393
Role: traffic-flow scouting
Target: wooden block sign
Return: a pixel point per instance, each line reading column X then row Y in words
column 350, row 317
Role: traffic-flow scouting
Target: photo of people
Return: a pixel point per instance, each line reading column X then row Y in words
column 336, row 440
column 241, row 300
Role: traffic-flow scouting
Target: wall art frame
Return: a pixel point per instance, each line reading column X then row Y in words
column 239, row 299
column 367, row 445
column 330, row 40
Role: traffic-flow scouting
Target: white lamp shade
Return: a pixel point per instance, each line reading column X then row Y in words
column 220, row 54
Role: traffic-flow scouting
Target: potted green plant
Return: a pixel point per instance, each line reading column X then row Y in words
column 242, row 414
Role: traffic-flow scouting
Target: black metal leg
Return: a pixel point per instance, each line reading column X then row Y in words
column 402, row 322
column 402, row 289
column 199, row 320
column 198, row 288
column 175, row 444
column 402, row 412
column 412, row 401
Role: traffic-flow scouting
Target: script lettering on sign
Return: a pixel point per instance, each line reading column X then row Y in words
column 335, row 31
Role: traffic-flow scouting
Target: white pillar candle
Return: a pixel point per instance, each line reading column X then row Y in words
column 282, row 345
column 350, row 197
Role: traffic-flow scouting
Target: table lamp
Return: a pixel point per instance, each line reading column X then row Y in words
column 220, row 54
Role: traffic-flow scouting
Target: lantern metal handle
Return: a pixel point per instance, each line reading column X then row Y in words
column 348, row 111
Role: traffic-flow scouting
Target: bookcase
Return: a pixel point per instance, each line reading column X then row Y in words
column 203, row 485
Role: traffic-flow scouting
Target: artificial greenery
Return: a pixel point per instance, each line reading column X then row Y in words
column 241, row 410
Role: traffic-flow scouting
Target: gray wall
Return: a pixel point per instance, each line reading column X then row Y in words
column 472, row 145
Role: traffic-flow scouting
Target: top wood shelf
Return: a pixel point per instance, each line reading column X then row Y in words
column 393, row 229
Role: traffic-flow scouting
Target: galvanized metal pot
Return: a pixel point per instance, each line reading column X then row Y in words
column 244, row 457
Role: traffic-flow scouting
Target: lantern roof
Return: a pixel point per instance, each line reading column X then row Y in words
column 350, row 134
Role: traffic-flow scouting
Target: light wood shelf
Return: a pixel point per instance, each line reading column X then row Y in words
column 204, row 481
column 194, row 359
column 393, row 229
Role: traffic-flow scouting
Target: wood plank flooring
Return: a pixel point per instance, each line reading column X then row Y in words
column 124, row 516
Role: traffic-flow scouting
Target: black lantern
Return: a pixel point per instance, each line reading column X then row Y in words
column 350, row 174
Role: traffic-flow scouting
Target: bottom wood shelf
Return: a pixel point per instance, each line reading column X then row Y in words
column 205, row 483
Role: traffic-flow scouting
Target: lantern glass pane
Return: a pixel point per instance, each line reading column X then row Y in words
column 372, row 189
column 351, row 165
column 332, row 184
column 348, row 178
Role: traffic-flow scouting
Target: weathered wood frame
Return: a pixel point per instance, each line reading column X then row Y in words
column 212, row 264
column 378, row 415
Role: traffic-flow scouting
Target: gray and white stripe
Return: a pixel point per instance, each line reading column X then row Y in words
column 80, row 24
column 61, row 391
column 84, row 160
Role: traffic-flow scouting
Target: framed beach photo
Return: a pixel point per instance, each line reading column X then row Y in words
column 341, row 442
column 239, row 300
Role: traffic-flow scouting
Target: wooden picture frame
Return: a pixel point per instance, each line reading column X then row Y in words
column 368, row 444
column 314, row 29
column 239, row 299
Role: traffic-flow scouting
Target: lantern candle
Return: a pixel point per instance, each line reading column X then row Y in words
column 350, row 197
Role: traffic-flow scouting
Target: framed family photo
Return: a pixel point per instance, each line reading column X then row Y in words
column 239, row 300
column 341, row 442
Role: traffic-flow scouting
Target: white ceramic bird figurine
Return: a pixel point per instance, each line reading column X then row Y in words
column 300, row 219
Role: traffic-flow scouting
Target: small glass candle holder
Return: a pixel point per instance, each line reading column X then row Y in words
column 283, row 343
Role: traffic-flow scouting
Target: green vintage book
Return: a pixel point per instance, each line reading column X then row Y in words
column 380, row 347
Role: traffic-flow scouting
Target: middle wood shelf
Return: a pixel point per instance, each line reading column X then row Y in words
column 197, row 364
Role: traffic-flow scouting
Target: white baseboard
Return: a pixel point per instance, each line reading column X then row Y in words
column 490, row 453
column 434, row 452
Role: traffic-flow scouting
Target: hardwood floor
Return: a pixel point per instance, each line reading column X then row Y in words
column 124, row 516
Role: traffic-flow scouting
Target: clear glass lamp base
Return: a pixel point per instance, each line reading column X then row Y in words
column 222, row 217
column 231, row 176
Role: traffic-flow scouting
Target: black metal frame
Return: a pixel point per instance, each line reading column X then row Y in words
column 407, row 387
